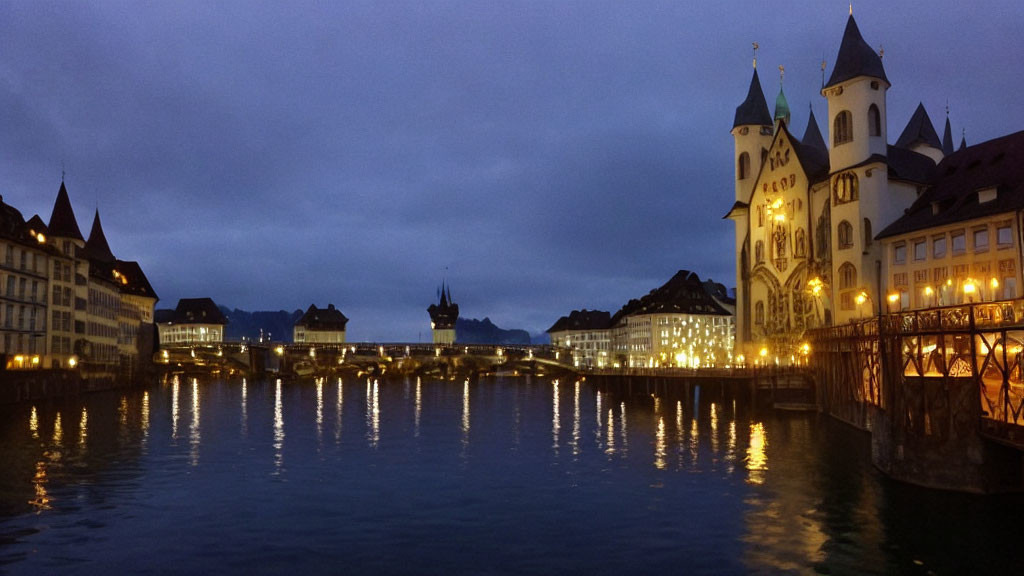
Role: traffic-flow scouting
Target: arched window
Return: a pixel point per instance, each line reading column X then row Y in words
column 758, row 252
column 847, row 276
column 743, row 167
column 845, row 233
column 842, row 128
column 845, row 188
column 759, row 313
column 874, row 121
column 867, row 234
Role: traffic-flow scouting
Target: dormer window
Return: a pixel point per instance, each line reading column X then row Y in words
column 986, row 195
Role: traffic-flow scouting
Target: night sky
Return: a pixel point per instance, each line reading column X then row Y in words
column 540, row 156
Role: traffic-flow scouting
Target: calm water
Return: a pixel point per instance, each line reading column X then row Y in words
column 506, row 476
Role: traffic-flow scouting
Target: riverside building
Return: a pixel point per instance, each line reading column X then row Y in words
column 823, row 235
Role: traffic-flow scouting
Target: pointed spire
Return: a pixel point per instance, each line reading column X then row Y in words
column 856, row 58
column 812, row 135
column 62, row 220
column 781, row 105
column 947, row 137
column 96, row 248
column 963, row 139
column 754, row 109
column 919, row 130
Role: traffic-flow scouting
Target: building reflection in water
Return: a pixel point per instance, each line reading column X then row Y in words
column 622, row 426
column 576, row 418
column 418, row 407
column 245, row 408
column 58, row 431
column 714, row 428
column 193, row 428
column 465, row 417
column 555, row 423
column 598, row 427
column 278, row 429
column 338, row 403
column 659, row 445
column 144, row 418
column 174, row 408
column 757, row 456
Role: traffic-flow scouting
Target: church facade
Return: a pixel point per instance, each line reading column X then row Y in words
column 808, row 211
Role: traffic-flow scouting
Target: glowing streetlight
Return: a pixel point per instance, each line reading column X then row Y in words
column 893, row 298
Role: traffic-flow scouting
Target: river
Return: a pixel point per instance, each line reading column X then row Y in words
column 496, row 476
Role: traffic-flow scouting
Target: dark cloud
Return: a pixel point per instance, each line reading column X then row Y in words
column 549, row 156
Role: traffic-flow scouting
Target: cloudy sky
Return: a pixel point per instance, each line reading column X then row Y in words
column 541, row 156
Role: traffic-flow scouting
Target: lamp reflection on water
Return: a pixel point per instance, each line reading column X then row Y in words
column 174, row 408
column 622, row 426
column 419, row 407
column 33, row 423
column 245, row 408
column 610, row 442
column 339, row 402
column 714, row 428
column 757, row 458
column 83, row 429
column 193, row 428
column 144, row 418
column 555, row 424
column 319, row 411
column 659, row 445
column 576, row 419
column 278, row 429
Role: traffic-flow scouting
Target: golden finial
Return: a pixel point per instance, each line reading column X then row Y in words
column 782, row 72
column 851, row 8
column 755, row 55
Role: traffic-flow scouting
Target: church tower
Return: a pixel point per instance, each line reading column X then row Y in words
column 858, row 177
column 443, row 317
column 752, row 136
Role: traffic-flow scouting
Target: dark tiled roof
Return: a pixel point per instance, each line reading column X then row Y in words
column 323, row 319
column 855, row 58
column 36, row 225
column 812, row 135
column 96, row 248
column 909, row 165
column 12, row 223
column 133, row 280
column 583, row 320
column 919, row 130
column 683, row 294
column 195, row 311
column 753, row 110
column 952, row 192
column 737, row 206
column 62, row 220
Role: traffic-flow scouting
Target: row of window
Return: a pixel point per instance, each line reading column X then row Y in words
column 980, row 242
column 19, row 288
column 26, row 260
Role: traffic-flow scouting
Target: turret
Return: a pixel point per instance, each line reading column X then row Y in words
column 856, row 102
column 63, row 226
column 443, row 317
column 752, row 135
column 781, row 105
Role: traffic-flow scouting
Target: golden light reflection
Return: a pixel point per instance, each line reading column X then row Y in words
column 622, row 425
column 144, row 417
column 465, row 411
column 339, row 402
column 576, row 419
column 757, row 457
column 58, row 431
column 374, row 414
column 555, row 424
column 278, row 429
column 174, row 407
column 42, row 498
column 245, row 407
column 694, row 441
column 714, row 428
column 83, row 428
column 33, row 423
column 659, row 445
column 122, row 413
column 193, row 427
column 610, row 440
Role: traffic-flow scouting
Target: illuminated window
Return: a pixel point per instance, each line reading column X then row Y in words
column 874, row 121
column 844, row 188
column 842, row 128
column 847, row 276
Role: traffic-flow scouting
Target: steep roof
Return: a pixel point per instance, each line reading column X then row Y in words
column 445, row 312
column 812, row 135
column 952, row 194
column 133, row 279
column 754, row 109
column 855, row 58
column 582, row 320
column 62, row 219
column 781, row 107
column 919, row 130
column 196, row 311
column 947, row 139
column 96, row 248
column 909, row 165
column 329, row 319
column 684, row 293
column 12, row 223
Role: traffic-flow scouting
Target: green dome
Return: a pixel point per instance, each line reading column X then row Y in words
column 781, row 107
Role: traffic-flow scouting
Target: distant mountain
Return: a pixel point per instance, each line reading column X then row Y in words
column 540, row 338
column 472, row 331
column 274, row 325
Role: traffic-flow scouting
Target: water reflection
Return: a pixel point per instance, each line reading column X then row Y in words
column 757, row 456
column 193, row 428
column 555, row 424
column 83, row 429
column 339, row 401
column 419, row 407
column 174, row 407
column 373, row 412
column 714, row 428
column 33, row 423
column 144, row 418
column 659, row 446
column 58, row 431
column 278, row 429
column 319, row 411
column 610, row 442
column 576, row 418
column 465, row 417
column 623, row 427
column 245, row 408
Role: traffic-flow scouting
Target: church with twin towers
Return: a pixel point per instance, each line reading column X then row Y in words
column 833, row 230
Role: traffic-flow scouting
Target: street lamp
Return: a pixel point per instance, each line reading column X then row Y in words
column 861, row 298
column 893, row 298
column 929, row 293
column 969, row 289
